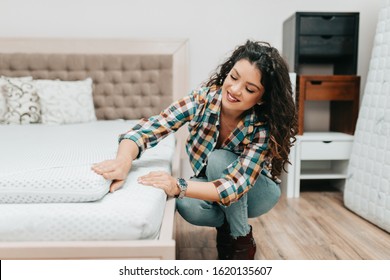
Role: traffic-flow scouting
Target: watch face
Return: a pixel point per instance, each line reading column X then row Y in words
column 182, row 182
column 183, row 187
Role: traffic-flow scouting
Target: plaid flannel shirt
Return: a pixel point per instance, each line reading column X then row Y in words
column 201, row 110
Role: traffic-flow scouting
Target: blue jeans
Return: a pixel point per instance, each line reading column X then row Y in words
column 257, row 201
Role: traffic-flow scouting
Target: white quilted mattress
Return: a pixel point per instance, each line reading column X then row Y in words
column 367, row 190
column 133, row 212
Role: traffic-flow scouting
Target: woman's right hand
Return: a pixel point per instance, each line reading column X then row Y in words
column 115, row 170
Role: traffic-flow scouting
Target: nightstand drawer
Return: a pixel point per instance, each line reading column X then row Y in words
column 320, row 150
column 326, row 45
column 327, row 25
column 328, row 89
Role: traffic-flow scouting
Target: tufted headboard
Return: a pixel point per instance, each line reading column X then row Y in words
column 131, row 78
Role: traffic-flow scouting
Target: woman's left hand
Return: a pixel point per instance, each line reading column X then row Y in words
column 161, row 180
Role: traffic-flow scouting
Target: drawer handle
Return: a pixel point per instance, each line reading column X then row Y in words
column 316, row 82
column 326, row 37
column 328, row 17
column 326, row 142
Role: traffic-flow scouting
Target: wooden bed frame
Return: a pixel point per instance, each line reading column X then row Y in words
column 164, row 246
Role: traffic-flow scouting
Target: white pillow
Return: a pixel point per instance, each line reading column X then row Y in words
column 65, row 102
column 3, row 81
column 22, row 103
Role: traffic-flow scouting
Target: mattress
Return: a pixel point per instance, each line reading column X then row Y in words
column 367, row 189
column 52, row 163
column 133, row 212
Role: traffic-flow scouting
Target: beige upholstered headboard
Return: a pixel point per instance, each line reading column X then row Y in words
column 132, row 78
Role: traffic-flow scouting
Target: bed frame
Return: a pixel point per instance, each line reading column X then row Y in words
column 159, row 73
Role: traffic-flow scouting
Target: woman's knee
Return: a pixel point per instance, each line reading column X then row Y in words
column 217, row 162
column 264, row 198
column 199, row 212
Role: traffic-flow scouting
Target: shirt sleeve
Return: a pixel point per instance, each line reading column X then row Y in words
column 242, row 174
column 148, row 132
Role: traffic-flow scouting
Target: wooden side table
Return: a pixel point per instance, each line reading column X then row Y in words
column 343, row 93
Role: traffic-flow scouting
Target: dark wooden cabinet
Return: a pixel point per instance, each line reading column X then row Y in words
column 322, row 38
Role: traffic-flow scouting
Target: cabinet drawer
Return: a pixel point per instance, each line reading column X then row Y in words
column 326, row 45
column 330, row 90
column 322, row 150
column 327, row 25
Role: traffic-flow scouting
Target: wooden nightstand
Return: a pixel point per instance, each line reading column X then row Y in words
column 341, row 90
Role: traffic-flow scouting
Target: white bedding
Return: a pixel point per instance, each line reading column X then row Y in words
column 133, row 212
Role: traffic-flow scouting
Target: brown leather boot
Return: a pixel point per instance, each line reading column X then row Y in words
column 224, row 242
column 244, row 247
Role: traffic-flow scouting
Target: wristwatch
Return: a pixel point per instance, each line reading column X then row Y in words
column 182, row 186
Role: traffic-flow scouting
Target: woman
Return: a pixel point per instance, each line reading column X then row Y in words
column 242, row 124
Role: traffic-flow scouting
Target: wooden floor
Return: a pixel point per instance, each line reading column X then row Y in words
column 315, row 226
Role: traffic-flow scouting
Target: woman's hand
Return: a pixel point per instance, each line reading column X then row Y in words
column 115, row 170
column 161, row 180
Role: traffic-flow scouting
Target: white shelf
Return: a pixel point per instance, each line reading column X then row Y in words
column 321, row 174
column 323, row 169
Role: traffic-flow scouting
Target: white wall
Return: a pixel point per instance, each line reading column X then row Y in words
column 214, row 27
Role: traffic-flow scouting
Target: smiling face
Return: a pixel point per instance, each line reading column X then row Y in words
column 242, row 88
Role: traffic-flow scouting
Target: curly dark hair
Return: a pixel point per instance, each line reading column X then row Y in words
column 278, row 107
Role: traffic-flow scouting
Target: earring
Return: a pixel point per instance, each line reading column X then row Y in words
column 260, row 102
